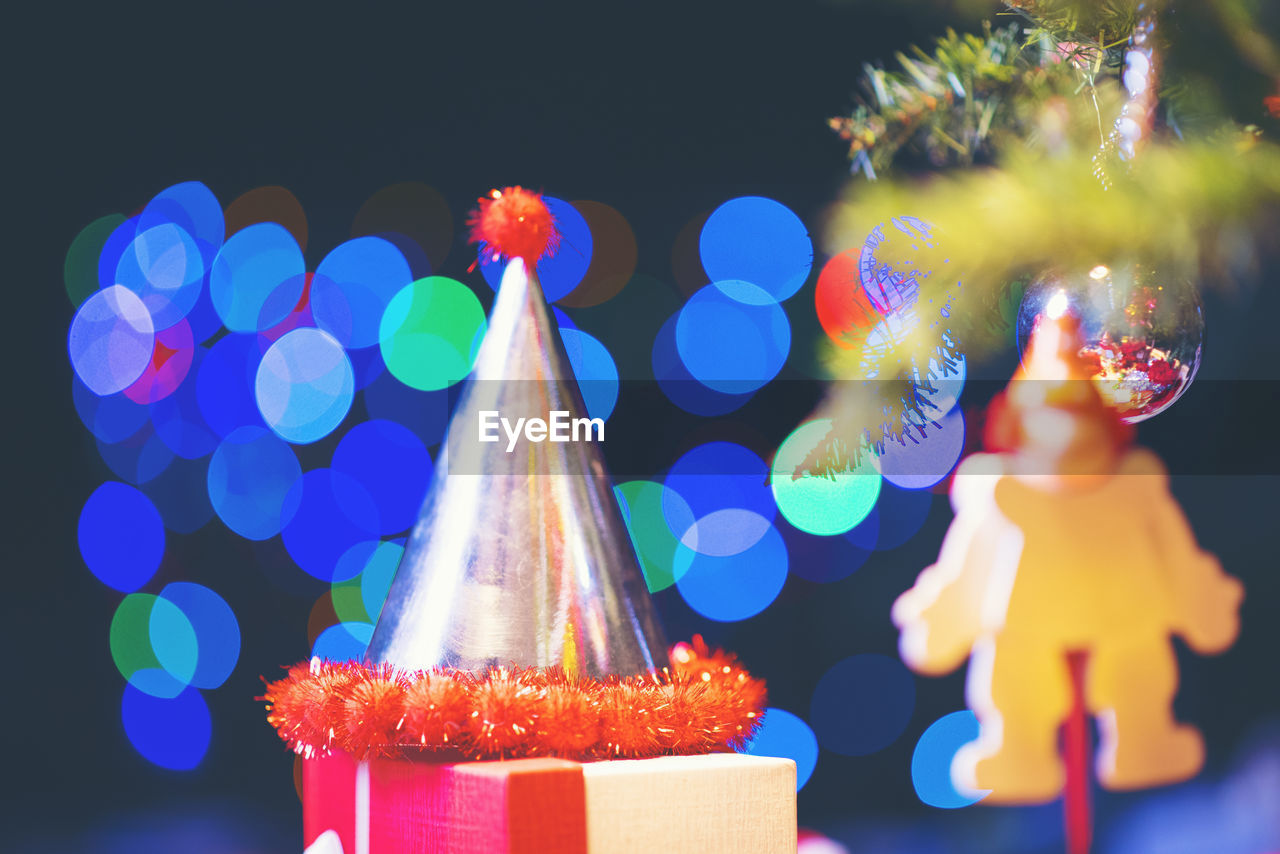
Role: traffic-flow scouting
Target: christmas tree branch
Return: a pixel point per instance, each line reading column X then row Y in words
column 1180, row 208
column 1028, row 103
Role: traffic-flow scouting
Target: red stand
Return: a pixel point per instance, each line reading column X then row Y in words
column 1076, row 750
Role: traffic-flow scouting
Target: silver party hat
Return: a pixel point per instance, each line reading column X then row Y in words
column 519, row 556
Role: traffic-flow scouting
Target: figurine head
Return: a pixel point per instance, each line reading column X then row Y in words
column 1051, row 417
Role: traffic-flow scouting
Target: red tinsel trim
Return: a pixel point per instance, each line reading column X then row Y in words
column 704, row 702
column 514, row 223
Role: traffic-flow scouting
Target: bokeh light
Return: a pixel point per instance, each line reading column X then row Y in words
column 866, row 534
column 112, row 418
column 733, row 337
column 656, row 518
column 558, row 273
column 426, row 413
column 811, row 842
column 192, row 207
column 139, row 458
column 80, row 267
column 215, row 629
column 173, row 640
column 170, row 362
column 825, row 559
column 334, row 512
column 719, row 475
column 153, row 645
column 112, row 248
column 366, row 365
column 344, row 596
column 323, row 614
column 725, row 533
column 251, row 475
column 679, row 385
column 224, row 384
column 367, row 570
column 257, row 278
column 925, row 456
column 352, row 286
column 343, row 642
column 121, row 536
column 393, row 467
column 613, row 257
column 298, row 317
column 179, row 494
column 172, row 733
column 563, row 321
column 845, row 311
column 786, row 736
column 179, row 422
column 305, row 385
column 931, row 761
column 738, row 586
column 757, row 240
column 899, row 514
column 203, row 318
column 888, row 333
column 818, row 504
column 377, row 575
column 431, row 332
column 111, row 340
column 268, row 204
column 164, row 268
column 595, row 371
column 409, row 210
column 862, row 704
column 895, row 260
column 947, row 379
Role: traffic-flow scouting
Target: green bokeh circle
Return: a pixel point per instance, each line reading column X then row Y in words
column 80, row 269
column 825, row 506
column 430, row 333
column 647, row 507
column 137, row 622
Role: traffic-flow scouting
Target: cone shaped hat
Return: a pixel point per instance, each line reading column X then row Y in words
column 519, row 557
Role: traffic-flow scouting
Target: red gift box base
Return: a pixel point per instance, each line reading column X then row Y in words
column 702, row 804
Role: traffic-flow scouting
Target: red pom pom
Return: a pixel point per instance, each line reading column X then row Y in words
column 628, row 728
column 505, row 713
column 303, row 705
column 690, row 722
column 514, row 223
column 372, row 714
column 570, row 720
column 436, row 707
column 732, row 700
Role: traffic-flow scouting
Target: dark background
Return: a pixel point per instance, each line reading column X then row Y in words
column 660, row 110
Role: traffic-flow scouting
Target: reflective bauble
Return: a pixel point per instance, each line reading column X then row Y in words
column 1142, row 330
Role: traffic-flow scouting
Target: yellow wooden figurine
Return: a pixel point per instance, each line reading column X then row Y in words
column 1067, row 541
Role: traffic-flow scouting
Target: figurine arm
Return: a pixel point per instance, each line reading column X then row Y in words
column 947, row 610
column 1206, row 600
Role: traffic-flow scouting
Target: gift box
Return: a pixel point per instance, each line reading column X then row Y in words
column 707, row 804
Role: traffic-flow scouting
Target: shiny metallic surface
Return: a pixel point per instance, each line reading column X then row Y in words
column 519, row 557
